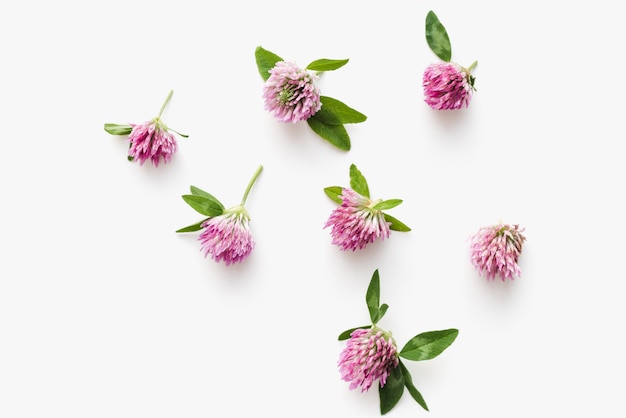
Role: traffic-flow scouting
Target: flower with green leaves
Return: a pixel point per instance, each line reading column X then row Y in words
column 447, row 85
column 226, row 233
column 151, row 140
column 371, row 354
column 291, row 95
column 360, row 220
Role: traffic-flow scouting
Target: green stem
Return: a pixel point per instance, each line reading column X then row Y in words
column 471, row 67
column 245, row 194
column 167, row 99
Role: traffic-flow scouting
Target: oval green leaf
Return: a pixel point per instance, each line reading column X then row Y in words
column 115, row 129
column 408, row 382
column 372, row 297
column 335, row 134
column 358, row 182
column 325, row 64
column 391, row 393
column 346, row 334
column 387, row 204
column 395, row 224
column 334, row 112
column 334, row 192
column 428, row 345
column 194, row 227
column 437, row 37
column 199, row 192
column 203, row 205
column 265, row 61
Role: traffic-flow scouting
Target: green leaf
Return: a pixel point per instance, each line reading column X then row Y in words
column 115, row 129
column 334, row 192
column 346, row 334
column 428, row 345
column 335, row 134
column 199, row 192
column 381, row 312
column 194, row 227
column 437, row 37
column 372, row 297
column 408, row 382
column 395, row 224
column 391, row 393
column 203, row 205
column 325, row 64
column 334, row 112
column 387, row 204
column 265, row 61
column 358, row 182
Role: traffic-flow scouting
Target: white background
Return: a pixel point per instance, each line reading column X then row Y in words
column 106, row 312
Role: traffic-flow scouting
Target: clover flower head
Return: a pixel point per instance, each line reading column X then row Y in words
column 354, row 223
column 495, row 251
column 151, row 141
column 227, row 237
column 290, row 93
column 447, row 85
column 370, row 355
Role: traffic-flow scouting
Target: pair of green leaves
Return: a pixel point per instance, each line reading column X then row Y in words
column 424, row 346
column 437, row 37
column 329, row 121
column 204, row 203
column 359, row 185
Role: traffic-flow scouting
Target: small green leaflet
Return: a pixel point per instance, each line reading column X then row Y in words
column 391, row 393
column 192, row 228
column 437, row 37
column 346, row 334
column 204, row 205
column 395, row 224
column 326, row 64
column 265, row 61
column 334, row 192
column 387, row 204
column 335, row 112
column 428, row 345
column 408, row 382
column 199, row 192
column 115, row 129
column 358, row 182
column 372, row 299
column 335, row 134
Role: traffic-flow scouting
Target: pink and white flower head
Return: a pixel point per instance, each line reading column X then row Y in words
column 447, row 85
column 151, row 141
column 370, row 355
column 495, row 251
column 290, row 93
column 354, row 223
column 227, row 237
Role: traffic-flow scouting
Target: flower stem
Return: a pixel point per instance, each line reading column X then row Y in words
column 245, row 194
column 471, row 67
column 167, row 99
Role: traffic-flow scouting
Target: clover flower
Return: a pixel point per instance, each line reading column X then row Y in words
column 359, row 220
column 355, row 223
column 447, row 85
column 150, row 140
column 227, row 237
column 226, row 234
column 495, row 251
column 290, row 93
column 370, row 355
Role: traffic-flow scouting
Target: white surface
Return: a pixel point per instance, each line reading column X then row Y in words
column 105, row 311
